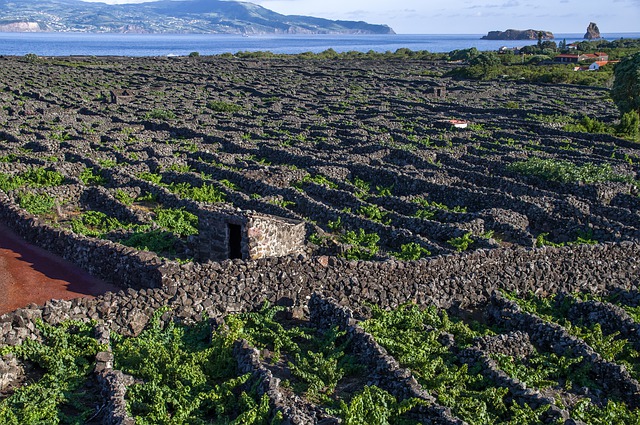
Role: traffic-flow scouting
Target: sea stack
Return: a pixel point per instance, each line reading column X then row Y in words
column 593, row 33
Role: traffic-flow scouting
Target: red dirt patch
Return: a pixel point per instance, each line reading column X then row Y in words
column 29, row 274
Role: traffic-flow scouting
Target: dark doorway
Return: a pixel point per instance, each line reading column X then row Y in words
column 235, row 241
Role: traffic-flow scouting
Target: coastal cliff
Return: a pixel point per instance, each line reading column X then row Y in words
column 512, row 34
column 20, row 27
column 181, row 16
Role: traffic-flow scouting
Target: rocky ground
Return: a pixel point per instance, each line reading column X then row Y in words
column 347, row 145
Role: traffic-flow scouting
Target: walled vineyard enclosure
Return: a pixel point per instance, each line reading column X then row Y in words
column 280, row 159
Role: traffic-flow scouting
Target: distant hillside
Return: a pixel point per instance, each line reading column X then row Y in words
column 187, row 16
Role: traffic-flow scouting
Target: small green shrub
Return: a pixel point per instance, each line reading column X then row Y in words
column 36, row 204
column 361, row 185
column 180, row 168
column 629, row 125
column 411, row 251
column 31, row 57
column 364, row 246
column 374, row 213
column 335, row 225
column 157, row 241
column 90, row 177
column 124, row 197
column 160, row 114
column 461, row 243
column 384, row 191
column 150, row 177
column 321, row 180
column 426, row 214
column 229, row 184
column 219, row 106
column 282, row 203
column 9, row 158
column 178, row 221
column 589, row 125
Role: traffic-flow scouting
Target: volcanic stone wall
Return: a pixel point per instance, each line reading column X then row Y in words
column 237, row 285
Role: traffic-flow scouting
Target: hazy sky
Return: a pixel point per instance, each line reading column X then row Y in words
column 468, row 16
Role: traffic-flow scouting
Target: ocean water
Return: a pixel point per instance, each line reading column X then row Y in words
column 69, row 44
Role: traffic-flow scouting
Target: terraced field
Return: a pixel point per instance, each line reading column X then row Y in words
column 518, row 364
column 133, row 151
column 342, row 145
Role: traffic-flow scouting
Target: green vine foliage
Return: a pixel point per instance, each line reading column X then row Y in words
column 411, row 251
column 157, row 241
column 461, row 243
column 189, row 376
column 124, row 197
column 66, row 356
column 568, row 172
column 90, row 177
column 610, row 346
column 96, row 224
column 34, row 177
column 374, row 213
column 264, row 331
column 364, row 246
column 178, row 221
column 321, row 363
column 205, row 193
column 41, row 177
column 36, row 204
column 412, row 336
column 374, row 406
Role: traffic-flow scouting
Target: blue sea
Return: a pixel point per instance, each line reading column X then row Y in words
column 70, row 44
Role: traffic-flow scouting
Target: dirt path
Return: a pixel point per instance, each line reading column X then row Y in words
column 29, row 274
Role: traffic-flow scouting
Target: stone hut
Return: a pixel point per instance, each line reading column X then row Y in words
column 439, row 91
column 121, row 97
column 226, row 235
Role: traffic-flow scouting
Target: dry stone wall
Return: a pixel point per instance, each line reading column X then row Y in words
column 236, row 285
